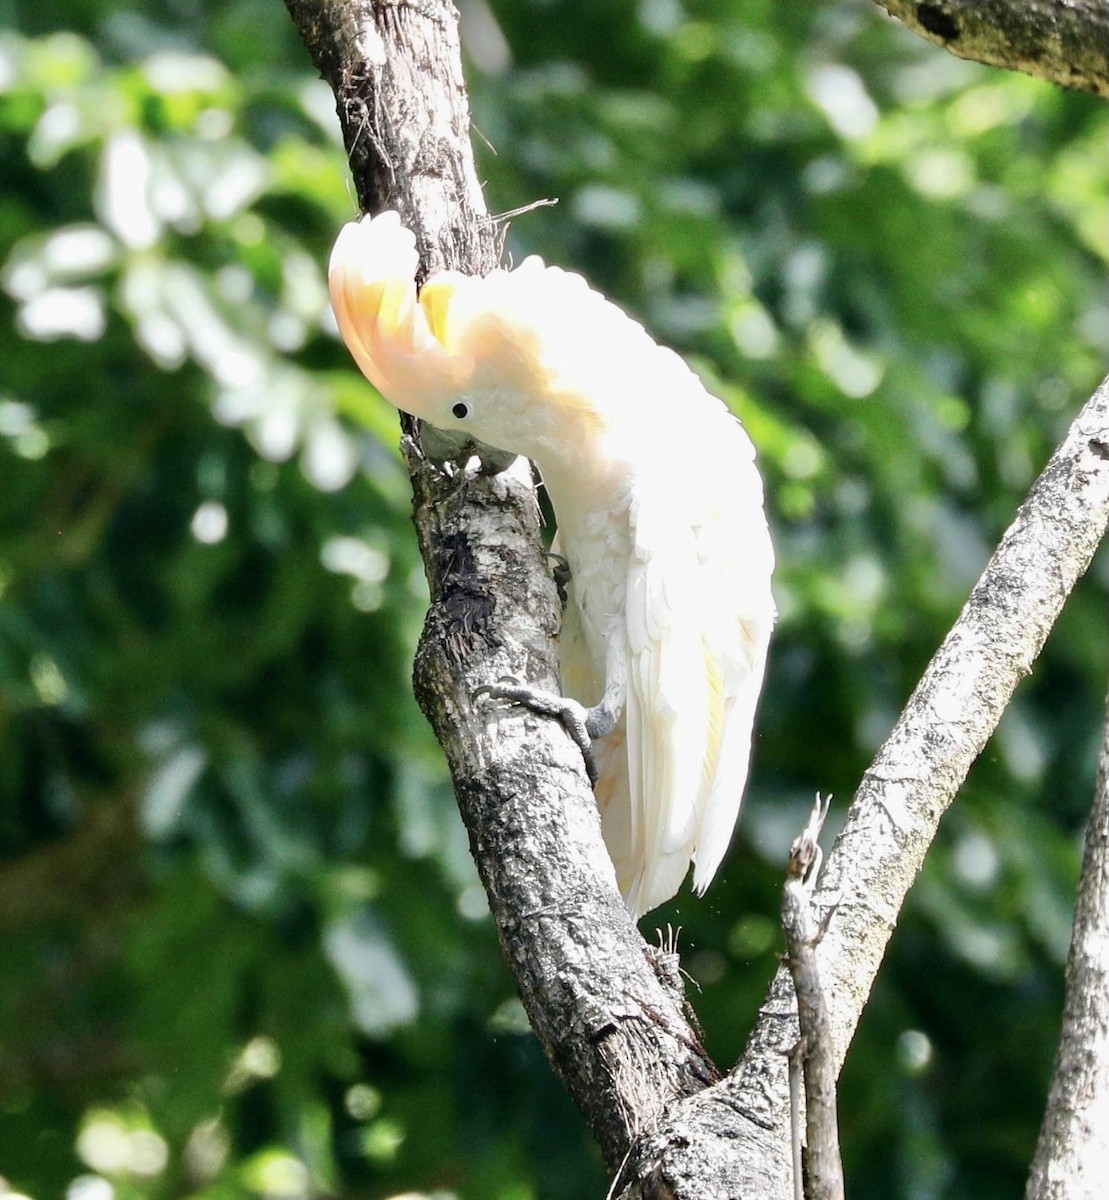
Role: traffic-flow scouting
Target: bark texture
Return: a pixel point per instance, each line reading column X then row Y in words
column 731, row 1140
column 1073, row 1149
column 611, row 1022
column 1062, row 41
column 396, row 70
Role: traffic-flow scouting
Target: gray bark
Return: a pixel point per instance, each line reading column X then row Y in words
column 818, row 1165
column 396, row 71
column 1061, row 41
column 613, row 1028
column 1073, row 1151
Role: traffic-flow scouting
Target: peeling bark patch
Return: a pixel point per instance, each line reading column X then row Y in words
column 458, row 558
column 936, row 21
column 1099, row 448
column 466, row 608
column 468, row 614
column 656, row 1188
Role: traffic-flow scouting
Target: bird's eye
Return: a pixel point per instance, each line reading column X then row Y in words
column 461, row 410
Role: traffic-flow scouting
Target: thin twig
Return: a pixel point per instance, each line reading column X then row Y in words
column 821, row 1168
column 548, row 202
column 1073, row 1147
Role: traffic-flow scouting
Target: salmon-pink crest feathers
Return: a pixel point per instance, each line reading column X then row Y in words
column 397, row 341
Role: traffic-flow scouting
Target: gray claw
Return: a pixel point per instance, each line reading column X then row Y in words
column 572, row 716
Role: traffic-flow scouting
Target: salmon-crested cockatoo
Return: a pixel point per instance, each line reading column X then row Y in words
column 660, row 517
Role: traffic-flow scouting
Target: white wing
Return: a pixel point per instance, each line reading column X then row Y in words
column 667, row 697
column 698, row 607
column 736, row 564
column 699, row 615
column 583, row 680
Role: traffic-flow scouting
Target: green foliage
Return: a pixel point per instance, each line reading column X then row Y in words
column 245, row 951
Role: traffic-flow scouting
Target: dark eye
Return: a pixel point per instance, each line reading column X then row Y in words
column 461, row 410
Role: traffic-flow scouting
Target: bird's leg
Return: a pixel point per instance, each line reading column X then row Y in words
column 581, row 723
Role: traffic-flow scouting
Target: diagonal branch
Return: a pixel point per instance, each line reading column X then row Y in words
column 735, row 1134
column 1074, row 1142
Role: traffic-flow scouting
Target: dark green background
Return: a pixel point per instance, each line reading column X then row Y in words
column 243, row 950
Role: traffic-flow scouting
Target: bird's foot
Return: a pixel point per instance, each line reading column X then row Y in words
column 581, row 723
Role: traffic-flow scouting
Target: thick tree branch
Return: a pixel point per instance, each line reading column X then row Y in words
column 396, row 71
column 735, row 1134
column 1074, row 1141
column 613, row 1028
column 1062, row 41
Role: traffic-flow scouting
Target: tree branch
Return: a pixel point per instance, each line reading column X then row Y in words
column 396, row 71
column 820, row 1167
column 613, row 1028
column 1074, row 1142
column 1062, row 41
column 735, row 1134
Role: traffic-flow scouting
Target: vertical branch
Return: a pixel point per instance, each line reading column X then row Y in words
column 1074, row 1141
column 396, row 71
column 614, row 1031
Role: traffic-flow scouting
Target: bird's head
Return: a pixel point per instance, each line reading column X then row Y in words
column 457, row 355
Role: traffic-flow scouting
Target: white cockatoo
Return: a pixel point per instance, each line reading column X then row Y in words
column 660, row 517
